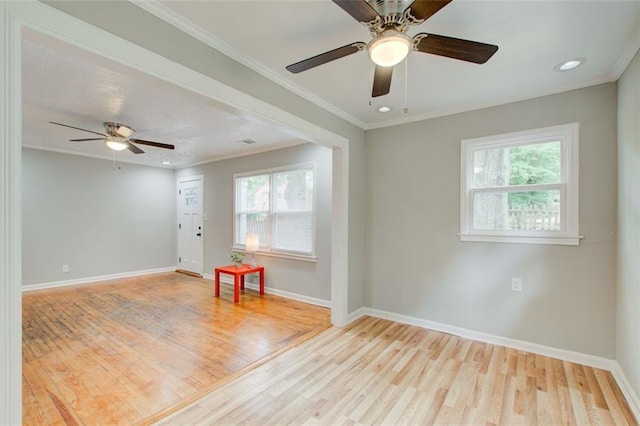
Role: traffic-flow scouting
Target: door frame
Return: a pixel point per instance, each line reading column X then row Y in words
column 54, row 23
column 178, row 182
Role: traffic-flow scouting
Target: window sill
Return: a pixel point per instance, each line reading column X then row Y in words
column 290, row 256
column 523, row 239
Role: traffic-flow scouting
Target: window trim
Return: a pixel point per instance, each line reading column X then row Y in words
column 270, row 251
column 568, row 134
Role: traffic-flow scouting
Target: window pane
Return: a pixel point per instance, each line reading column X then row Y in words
column 252, row 222
column 252, row 193
column 517, row 165
column 295, row 190
column 293, row 231
column 531, row 210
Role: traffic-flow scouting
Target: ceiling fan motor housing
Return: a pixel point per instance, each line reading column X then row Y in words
column 118, row 129
column 392, row 15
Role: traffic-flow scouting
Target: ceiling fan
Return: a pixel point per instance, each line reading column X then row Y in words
column 388, row 21
column 117, row 137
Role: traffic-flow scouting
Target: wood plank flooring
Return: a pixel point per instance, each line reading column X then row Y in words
column 380, row 372
column 121, row 351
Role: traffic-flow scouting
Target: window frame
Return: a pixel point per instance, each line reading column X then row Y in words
column 568, row 135
column 267, row 249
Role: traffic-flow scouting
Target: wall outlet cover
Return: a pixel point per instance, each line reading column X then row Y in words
column 516, row 284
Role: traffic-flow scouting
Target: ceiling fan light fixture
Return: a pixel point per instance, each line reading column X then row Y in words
column 116, row 144
column 389, row 48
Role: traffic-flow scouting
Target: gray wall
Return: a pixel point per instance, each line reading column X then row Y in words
column 301, row 277
column 136, row 25
column 77, row 211
column 628, row 308
column 417, row 266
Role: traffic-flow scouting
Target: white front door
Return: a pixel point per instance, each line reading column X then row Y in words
column 190, row 224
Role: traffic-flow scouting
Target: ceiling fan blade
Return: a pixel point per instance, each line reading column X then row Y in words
column 359, row 9
column 78, row 128
column 464, row 50
column 131, row 147
column 381, row 81
column 421, row 10
column 325, row 57
column 150, row 143
column 83, row 140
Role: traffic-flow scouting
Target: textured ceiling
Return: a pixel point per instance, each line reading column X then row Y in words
column 65, row 84
column 533, row 37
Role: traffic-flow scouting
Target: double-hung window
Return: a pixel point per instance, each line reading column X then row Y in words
column 521, row 187
column 278, row 205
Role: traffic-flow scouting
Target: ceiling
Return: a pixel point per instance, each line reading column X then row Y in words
column 533, row 37
column 69, row 85
column 64, row 84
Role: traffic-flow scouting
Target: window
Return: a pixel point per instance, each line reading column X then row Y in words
column 278, row 205
column 521, row 187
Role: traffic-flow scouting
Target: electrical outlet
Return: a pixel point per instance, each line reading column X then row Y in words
column 516, row 284
column 65, row 268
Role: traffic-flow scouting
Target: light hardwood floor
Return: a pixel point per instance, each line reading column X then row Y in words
column 121, row 351
column 380, row 372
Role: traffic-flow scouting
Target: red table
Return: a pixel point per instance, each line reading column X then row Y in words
column 238, row 278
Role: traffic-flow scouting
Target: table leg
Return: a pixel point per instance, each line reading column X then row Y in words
column 236, row 288
column 262, row 281
column 216, row 284
column 242, row 282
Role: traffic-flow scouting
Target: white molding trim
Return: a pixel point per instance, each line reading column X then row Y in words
column 627, row 390
column 224, row 279
column 288, row 256
column 10, row 217
column 360, row 312
column 96, row 279
column 476, row 107
column 630, row 50
column 562, row 354
column 96, row 157
column 521, row 239
column 199, row 33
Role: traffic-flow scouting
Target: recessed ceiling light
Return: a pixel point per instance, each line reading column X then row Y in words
column 570, row 65
column 384, row 109
column 166, row 163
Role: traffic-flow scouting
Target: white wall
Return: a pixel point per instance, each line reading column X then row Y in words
column 78, row 211
column 628, row 308
column 417, row 266
column 295, row 276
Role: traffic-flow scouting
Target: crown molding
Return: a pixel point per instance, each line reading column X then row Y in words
column 199, row 33
column 474, row 107
column 628, row 53
column 98, row 157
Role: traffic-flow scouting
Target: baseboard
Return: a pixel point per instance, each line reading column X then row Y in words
column 270, row 290
column 632, row 397
column 86, row 280
column 356, row 314
column 563, row 354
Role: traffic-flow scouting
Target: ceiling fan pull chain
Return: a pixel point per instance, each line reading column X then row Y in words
column 406, row 80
